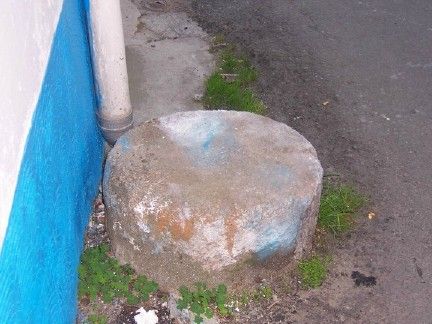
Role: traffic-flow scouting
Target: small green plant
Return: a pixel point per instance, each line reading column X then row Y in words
column 262, row 292
column 244, row 298
column 228, row 88
column 102, row 275
column 203, row 301
column 337, row 208
column 313, row 271
column 145, row 287
column 266, row 292
column 97, row 319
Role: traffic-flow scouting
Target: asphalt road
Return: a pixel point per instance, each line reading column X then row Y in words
column 372, row 61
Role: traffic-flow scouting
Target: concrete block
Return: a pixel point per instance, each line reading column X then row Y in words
column 193, row 195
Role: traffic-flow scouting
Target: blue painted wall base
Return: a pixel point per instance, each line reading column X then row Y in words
column 59, row 177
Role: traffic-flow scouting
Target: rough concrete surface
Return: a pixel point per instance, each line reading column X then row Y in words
column 193, row 194
column 167, row 57
column 371, row 60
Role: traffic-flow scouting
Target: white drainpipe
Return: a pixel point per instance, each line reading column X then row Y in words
column 109, row 68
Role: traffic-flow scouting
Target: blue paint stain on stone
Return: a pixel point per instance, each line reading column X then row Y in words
column 208, row 140
column 123, row 142
column 268, row 250
column 209, row 143
column 279, row 240
column 58, row 180
column 281, row 236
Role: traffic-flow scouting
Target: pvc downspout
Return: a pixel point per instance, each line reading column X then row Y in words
column 109, row 68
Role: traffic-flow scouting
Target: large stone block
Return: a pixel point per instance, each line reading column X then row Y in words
column 194, row 195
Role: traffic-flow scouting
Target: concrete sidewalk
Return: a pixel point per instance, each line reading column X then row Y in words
column 168, row 59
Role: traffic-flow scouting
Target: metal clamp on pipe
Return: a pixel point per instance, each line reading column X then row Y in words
column 109, row 67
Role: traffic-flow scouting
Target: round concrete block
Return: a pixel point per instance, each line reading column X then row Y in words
column 193, row 195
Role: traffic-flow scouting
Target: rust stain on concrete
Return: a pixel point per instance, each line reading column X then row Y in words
column 230, row 231
column 167, row 222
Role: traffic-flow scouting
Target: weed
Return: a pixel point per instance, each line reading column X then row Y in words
column 229, row 87
column 313, row 271
column 101, row 275
column 244, row 298
column 338, row 205
column 263, row 292
column 144, row 287
column 218, row 39
column 97, row 319
column 203, row 301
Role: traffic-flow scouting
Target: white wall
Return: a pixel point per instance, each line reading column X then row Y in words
column 27, row 28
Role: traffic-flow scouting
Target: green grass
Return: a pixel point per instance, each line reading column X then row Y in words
column 231, row 64
column 313, row 271
column 228, row 87
column 231, row 96
column 103, row 276
column 339, row 204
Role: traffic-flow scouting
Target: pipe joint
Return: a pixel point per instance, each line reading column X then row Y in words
column 113, row 128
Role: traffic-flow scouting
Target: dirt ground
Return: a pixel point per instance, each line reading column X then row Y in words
column 354, row 77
